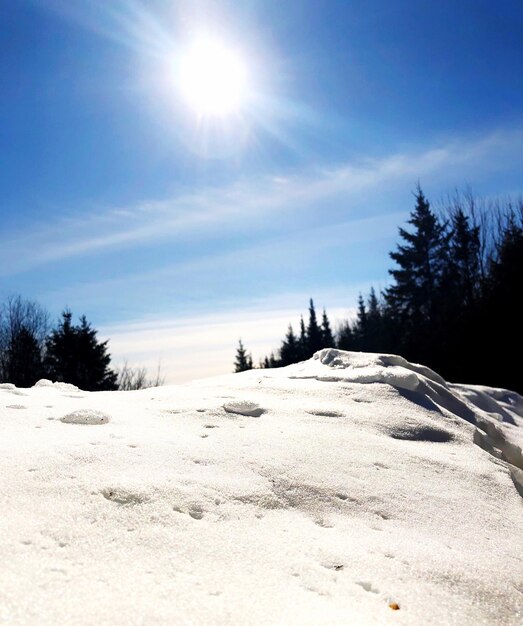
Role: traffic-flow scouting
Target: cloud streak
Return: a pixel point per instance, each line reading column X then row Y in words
column 194, row 347
column 259, row 204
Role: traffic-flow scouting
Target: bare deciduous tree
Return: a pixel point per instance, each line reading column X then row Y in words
column 19, row 318
column 134, row 378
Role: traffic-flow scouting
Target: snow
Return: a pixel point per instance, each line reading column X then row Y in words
column 349, row 489
column 85, row 416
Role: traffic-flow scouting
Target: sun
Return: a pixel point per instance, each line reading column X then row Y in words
column 212, row 78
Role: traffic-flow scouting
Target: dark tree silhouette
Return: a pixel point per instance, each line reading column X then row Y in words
column 314, row 334
column 290, row 348
column 464, row 261
column 326, row 332
column 414, row 297
column 302, row 341
column 74, row 355
column 345, row 337
column 361, row 325
column 24, row 359
column 20, row 318
column 243, row 361
column 421, row 261
column 502, row 310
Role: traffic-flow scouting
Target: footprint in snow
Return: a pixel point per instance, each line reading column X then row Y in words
column 244, row 407
column 368, row 586
column 123, row 496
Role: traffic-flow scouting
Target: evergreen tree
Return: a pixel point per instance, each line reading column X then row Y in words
column 502, row 308
column 326, row 332
column 243, row 360
column 345, row 337
column 266, row 363
column 314, row 335
column 464, row 266
column 361, row 325
column 421, row 261
column 374, row 331
column 24, row 359
column 290, row 348
column 460, row 294
column 414, row 300
column 302, row 341
column 74, row 355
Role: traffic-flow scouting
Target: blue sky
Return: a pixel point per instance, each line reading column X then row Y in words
column 175, row 235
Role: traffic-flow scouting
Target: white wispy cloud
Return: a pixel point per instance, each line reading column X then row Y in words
column 251, row 205
column 213, row 276
column 194, row 347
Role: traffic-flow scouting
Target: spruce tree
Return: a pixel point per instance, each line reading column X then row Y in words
column 374, row 332
column 361, row 325
column 414, row 300
column 74, row 355
column 290, row 349
column 421, row 262
column 302, row 341
column 502, row 307
column 243, row 361
column 314, row 335
column 345, row 337
column 464, row 266
column 326, row 332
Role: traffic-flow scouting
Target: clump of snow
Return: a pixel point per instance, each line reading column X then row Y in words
column 44, row 382
column 85, row 416
column 8, row 386
column 371, row 491
column 243, row 407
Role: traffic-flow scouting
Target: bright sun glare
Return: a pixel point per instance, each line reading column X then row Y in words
column 212, row 78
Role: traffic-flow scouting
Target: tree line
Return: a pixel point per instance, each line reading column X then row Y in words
column 452, row 302
column 30, row 349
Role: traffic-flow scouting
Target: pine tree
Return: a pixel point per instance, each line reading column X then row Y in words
column 314, row 335
column 265, row 364
column 326, row 332
column 421, row 261
column 415, row 299
column 502, row 308
column 74, row 355
column 374, row 331
column 290, row 348
column 302, row 341
column 464, row 267
column 360, row 329
column 345, row 337
column 243, row 360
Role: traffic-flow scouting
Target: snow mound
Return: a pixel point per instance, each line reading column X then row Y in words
column 497, row 414
column 244, row 407
column 363, row 367
column 86, row 416
column 8, row 386
column 371, row 491
column 44, row 382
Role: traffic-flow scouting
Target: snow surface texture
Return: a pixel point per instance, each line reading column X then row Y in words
column 350, row 489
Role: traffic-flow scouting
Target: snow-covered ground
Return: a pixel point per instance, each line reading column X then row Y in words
column 349, row 489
